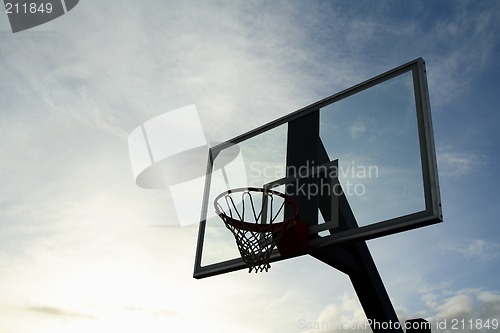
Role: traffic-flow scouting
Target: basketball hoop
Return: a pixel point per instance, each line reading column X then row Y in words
column 256, row 217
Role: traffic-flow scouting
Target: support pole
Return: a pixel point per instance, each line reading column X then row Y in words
column 355, row 260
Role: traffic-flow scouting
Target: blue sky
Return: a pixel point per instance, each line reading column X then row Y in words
column 78, row 252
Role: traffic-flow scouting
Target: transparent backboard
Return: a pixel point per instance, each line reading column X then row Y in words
column 371, row 145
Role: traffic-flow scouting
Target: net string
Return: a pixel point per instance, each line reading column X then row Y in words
column 257, row 239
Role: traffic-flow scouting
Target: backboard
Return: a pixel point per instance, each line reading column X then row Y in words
column 369, row 148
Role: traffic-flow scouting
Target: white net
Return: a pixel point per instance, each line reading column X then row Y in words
column 257, row 219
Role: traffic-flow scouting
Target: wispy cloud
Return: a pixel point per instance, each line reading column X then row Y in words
column 477, row 249
column 454, row 163
column 466, row 40
column 61, row 313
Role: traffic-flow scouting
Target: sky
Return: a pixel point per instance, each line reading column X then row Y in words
column 82, row 247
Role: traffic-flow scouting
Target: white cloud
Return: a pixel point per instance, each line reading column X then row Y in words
column 457, row 164
column 464, row 309
column 455, row 307
column 344, row 314
column 447, row 308
column 477, row 249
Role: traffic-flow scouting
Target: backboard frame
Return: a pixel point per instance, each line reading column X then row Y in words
column 430, row 215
